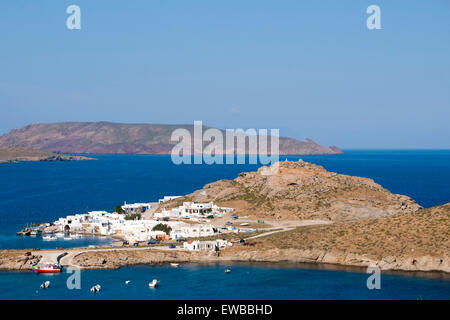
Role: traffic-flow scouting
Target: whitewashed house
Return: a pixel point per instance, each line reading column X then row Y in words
column 137, row 207
column 167, row 198
column 198, row 245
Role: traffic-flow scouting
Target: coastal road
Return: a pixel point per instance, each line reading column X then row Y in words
column 284, row 226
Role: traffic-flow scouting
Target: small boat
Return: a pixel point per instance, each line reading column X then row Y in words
column 154, row 283
column 67, row 237
column 60, row 234
column 227, row 270
column 96, row 288
column 45, row 285
column 175, row 264
column 127, row 282
column 50, row 268
column 49, row 237
column 76, row 236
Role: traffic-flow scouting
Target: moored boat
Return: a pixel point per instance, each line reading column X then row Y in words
column 49, row 237
column 154, row 283
column 50, row 268
column 96, row 288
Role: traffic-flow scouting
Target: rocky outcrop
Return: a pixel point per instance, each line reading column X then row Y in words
column 18, row 154
column 302, row 190
column 106, row 138
column 415, row 241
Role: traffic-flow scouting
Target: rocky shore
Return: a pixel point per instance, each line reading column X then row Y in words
column 361, row 224
column 110, row 259
column 19, row 154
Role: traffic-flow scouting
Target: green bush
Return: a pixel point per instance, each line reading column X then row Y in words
column 119, row 209
column 162, row 227
column 133, row 216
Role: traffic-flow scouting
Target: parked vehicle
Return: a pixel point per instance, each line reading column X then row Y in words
column 27, row 254
column 172, row 246
column 152, row 241
column 136, row 244
column 125, row 243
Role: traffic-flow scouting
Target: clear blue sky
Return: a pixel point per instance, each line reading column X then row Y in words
column 310, row 68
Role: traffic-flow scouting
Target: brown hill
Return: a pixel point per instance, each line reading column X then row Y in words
column 417, row 240
column 16, row 154
column 106, row 137
column 301, row 190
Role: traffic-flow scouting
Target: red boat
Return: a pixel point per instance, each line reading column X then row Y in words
column 50, row 268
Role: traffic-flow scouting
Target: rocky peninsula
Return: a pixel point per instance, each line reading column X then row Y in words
column 19, row 154
column 310, row 215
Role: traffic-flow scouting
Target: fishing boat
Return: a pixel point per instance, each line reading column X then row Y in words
column 49, row 237
column 35, row 232
column 175, row 264
column 127, row 282
column 45, row 285
column 50, row 268
column 96, row 288
column 154, row 283
column 227, row 270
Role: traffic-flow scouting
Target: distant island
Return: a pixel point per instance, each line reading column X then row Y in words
column 119, row 138
column 18, row 154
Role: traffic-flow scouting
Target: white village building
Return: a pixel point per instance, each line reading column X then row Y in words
column 206, row 245
column 193, row 210
column 137, row 207
column 167, row 198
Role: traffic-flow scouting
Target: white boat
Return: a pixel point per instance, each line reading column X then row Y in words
column 67, row 237
column 45, row 285
column 127, row 282
column 227, row 270
column 154, row 283
column 59, row 234
column 48, row 237
column 244, row 224
column 175, row 264
column 75, row 236
column 96, row 288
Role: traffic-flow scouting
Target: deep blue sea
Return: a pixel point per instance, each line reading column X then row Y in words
column 32, row 192
column 209, row 282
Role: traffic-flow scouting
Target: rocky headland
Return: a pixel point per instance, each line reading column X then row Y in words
column 19, row 154
column 310, row 215
column 122, row 138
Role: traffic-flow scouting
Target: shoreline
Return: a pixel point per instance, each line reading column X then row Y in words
column 427, row 275
column 109, row 258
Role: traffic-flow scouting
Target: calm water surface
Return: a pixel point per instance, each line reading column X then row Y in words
column 245, row 281
column 44, row 191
